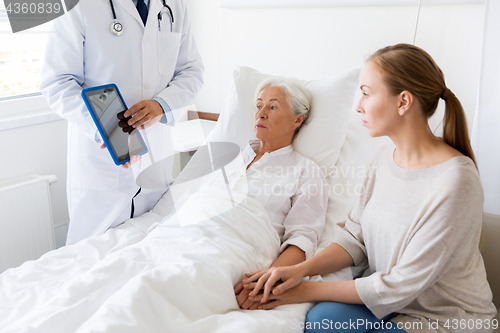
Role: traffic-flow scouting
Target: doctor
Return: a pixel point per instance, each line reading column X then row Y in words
column 147, row 50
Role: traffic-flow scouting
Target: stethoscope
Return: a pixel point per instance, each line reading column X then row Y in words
column 116, row 27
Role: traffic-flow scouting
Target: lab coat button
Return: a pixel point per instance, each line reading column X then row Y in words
column 145, row 40
column 146, row 86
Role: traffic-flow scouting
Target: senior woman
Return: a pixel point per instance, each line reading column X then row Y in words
column 291, row 187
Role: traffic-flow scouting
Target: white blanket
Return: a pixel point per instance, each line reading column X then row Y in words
column 175, row 279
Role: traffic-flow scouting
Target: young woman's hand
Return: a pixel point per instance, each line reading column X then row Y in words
column 290, row 276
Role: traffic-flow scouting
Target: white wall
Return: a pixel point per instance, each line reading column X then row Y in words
column 311, row 43
column 38, row 149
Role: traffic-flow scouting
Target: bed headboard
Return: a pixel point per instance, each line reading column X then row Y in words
column 202, row 115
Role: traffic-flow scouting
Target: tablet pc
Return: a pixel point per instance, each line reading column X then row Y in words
column 104, row 103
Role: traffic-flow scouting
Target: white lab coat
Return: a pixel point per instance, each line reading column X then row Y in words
column 144, row 63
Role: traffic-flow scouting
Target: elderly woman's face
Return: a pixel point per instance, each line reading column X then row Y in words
column 274, row 119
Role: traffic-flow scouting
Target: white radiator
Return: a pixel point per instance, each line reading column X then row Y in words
column 26, row 230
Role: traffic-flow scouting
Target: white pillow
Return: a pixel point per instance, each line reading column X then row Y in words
column 323, row 135
column 346, row 179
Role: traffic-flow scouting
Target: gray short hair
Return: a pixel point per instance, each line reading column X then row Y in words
column 298, row 96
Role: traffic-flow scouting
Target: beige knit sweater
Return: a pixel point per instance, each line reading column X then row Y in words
column 418, row 231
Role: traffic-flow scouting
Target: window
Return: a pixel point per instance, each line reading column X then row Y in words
column 21, row 59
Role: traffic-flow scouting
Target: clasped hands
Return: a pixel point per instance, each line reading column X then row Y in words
column 269, row 288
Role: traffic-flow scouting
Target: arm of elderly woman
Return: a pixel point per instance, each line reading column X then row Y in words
column 303, row 226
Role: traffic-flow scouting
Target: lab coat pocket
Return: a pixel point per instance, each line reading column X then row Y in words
column 168, row 51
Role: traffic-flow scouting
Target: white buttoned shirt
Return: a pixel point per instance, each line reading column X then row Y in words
column 291, row 188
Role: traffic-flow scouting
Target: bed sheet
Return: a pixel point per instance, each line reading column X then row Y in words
column 175, row 279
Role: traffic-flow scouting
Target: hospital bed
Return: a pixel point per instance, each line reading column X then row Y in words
column 116, row 282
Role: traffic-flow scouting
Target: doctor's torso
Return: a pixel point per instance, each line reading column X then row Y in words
column 141, row 61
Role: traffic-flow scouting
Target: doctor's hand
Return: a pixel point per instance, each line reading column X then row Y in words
column 127, row 165
column 143, row 115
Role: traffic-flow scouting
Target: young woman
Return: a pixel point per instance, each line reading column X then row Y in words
column 417, row 224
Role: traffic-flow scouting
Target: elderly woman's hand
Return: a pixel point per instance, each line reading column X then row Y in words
column 298, row 294
column 242, row 291
column 242, row 298
column 290, row 276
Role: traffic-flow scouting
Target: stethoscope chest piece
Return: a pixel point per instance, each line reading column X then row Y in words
column 116, row 28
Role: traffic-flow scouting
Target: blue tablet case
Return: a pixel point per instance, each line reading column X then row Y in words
column 101, row 129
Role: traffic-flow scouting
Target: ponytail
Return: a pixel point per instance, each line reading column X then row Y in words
column 455, row 132
column 408, row 67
